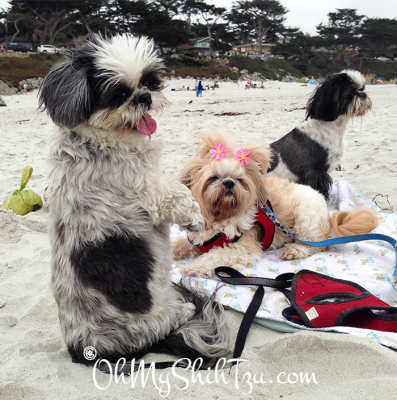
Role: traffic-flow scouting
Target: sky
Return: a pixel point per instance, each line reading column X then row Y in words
column 307, row 14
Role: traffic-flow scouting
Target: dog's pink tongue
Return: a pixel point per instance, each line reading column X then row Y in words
column 146, row 125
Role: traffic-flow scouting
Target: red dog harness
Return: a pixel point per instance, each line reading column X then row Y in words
column 265, row 224
column 317, row 301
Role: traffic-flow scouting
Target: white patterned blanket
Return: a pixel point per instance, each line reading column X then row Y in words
column 368, row 263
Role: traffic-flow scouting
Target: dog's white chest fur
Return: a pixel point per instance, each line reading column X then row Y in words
column 329, row 135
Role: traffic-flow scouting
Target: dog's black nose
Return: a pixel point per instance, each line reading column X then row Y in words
column 363, row 95
column 228, row 184
column 145, row 99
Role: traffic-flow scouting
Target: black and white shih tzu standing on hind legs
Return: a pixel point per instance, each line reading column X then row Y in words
column 111, row 207
column 310, row 152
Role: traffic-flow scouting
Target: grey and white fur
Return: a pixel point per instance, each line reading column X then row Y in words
column 311, row 151
column 111, row 207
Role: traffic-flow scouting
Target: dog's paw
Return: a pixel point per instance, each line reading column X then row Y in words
column 193, row 222
column 195, row 228
column 293, row 251
column 182, row 249
column 178, row 256
column 179, row 247
column 195, row 270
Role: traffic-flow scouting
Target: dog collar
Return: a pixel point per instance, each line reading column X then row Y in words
column 265, row 224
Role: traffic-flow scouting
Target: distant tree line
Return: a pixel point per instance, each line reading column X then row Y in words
column 347, row 34
column 169, row 22
column 172, row 23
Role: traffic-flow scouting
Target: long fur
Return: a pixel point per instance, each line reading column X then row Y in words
column 310, row 152
column 347, row 223
column 111, row 207
column 302, row 210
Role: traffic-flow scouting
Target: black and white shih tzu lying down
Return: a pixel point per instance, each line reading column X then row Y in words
column 310, row 152
column 111, row 208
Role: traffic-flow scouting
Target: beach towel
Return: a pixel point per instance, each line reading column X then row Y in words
column 368, row 263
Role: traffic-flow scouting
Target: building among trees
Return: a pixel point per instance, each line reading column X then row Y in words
column 252, row 49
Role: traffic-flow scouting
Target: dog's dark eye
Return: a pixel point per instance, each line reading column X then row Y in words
column 213, row 178
column 152, row 81
column 152, row 86
column 361, row 90
column 112, row 96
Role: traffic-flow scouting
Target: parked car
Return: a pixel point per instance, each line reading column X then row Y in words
column 47, row 48
column 18, row 47
column 383, row 59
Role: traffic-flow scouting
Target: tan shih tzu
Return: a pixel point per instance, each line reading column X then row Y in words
column 231, row 187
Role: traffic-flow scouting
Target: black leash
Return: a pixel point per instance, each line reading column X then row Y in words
column 227, row 275
column 282, row 282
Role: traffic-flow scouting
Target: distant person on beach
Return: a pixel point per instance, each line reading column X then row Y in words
column 262, row 86
column 237, row 81
column 200, row 89
column 196, row 83
column 24, row 88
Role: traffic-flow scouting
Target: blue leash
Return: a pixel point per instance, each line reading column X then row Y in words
column 341, row 240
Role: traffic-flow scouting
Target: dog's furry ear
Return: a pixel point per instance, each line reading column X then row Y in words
column 257, row 168
column 65, row 92
column 214, row 137
column 332, row 98
column 262, row 155
column 190, row 170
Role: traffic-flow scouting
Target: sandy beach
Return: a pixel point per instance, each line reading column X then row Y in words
column 35, row 363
